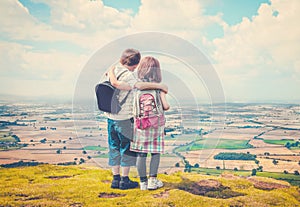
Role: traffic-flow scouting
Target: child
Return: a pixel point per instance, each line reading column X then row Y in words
column 149, row 140
column 120, row 126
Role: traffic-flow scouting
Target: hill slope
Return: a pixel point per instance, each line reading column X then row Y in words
column 50, row 185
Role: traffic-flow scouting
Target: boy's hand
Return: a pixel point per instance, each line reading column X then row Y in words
column 164, row 87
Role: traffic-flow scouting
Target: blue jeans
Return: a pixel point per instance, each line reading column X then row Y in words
column 120, row 133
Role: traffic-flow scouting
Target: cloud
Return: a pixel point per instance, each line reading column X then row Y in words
column 260, row 51
column 265, row 40
column 184, row 18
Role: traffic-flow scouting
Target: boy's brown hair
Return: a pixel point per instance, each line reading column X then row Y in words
column 149, row 70
column 130, row 57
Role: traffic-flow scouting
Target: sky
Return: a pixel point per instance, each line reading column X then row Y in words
column 253, row 45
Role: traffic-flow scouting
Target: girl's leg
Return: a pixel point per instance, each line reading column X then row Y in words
column 153, row 182
column 141, row 166
column 154, row 163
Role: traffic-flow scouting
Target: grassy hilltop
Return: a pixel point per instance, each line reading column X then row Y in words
column 50, row 185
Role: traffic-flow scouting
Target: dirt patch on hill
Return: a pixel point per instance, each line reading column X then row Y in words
column 57, row 177
column 164, row 194
column 110, row 195
column 210, row 188
column 266, row 185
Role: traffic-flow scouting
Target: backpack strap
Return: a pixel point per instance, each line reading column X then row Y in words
column 121, row 74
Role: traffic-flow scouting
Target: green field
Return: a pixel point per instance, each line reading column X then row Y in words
column 96, row 148
column 279, row 142
column 294, row 145
column 50, row 185
column 7, row 139
column 216, row 144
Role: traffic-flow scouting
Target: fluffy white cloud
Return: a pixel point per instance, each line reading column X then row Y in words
column 80, row 22
column 264, row 42
column 47, row 73
column 259, row 57
column 183, row 18
column 86, row 16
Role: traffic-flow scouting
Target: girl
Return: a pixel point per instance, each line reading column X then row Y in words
column 149, row 140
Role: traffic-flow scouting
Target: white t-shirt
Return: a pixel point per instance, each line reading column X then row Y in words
column 127, row 108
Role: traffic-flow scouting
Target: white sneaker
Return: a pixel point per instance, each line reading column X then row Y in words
column 143, row 185
column 153, row 184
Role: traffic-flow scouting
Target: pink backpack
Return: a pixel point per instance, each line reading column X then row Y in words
column 148, row 110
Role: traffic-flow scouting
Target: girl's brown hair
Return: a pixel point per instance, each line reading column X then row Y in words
column 149, row 70
column 130, row 57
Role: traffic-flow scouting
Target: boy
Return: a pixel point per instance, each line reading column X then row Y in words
column 120, row 126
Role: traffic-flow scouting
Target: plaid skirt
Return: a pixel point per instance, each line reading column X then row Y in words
column 148, row 140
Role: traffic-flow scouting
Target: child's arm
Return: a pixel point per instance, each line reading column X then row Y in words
column 139, row 85
column 116, row 83
column 164, row 102
column 150, row 85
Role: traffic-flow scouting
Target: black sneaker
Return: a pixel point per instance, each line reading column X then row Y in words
column 124, row 185
column 115, row 184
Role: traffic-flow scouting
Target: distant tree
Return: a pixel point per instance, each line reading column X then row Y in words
column 275, row 162
column 288, row 145
column 296, row 172
column 70, row 138
column 43, row 140
column 64, row 142
column 81, row 161
column 64, row 147
column 285, row 172
column 235, row 169
column 31, row 140
column 89, row 157
column 75, row 158
column 218, row 167
column 84, row 152
column 253, row 172
column 196, row 165
column 257, row 162
column 177, row 164
column 267, row 154
column 58, row 151
column 299, row 163
column 260, row 168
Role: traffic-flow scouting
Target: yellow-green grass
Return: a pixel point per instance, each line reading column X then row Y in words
column 49, row 185
column 291, row 178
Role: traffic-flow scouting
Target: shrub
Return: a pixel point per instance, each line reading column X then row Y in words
column 253, row 172
column 234, row 156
